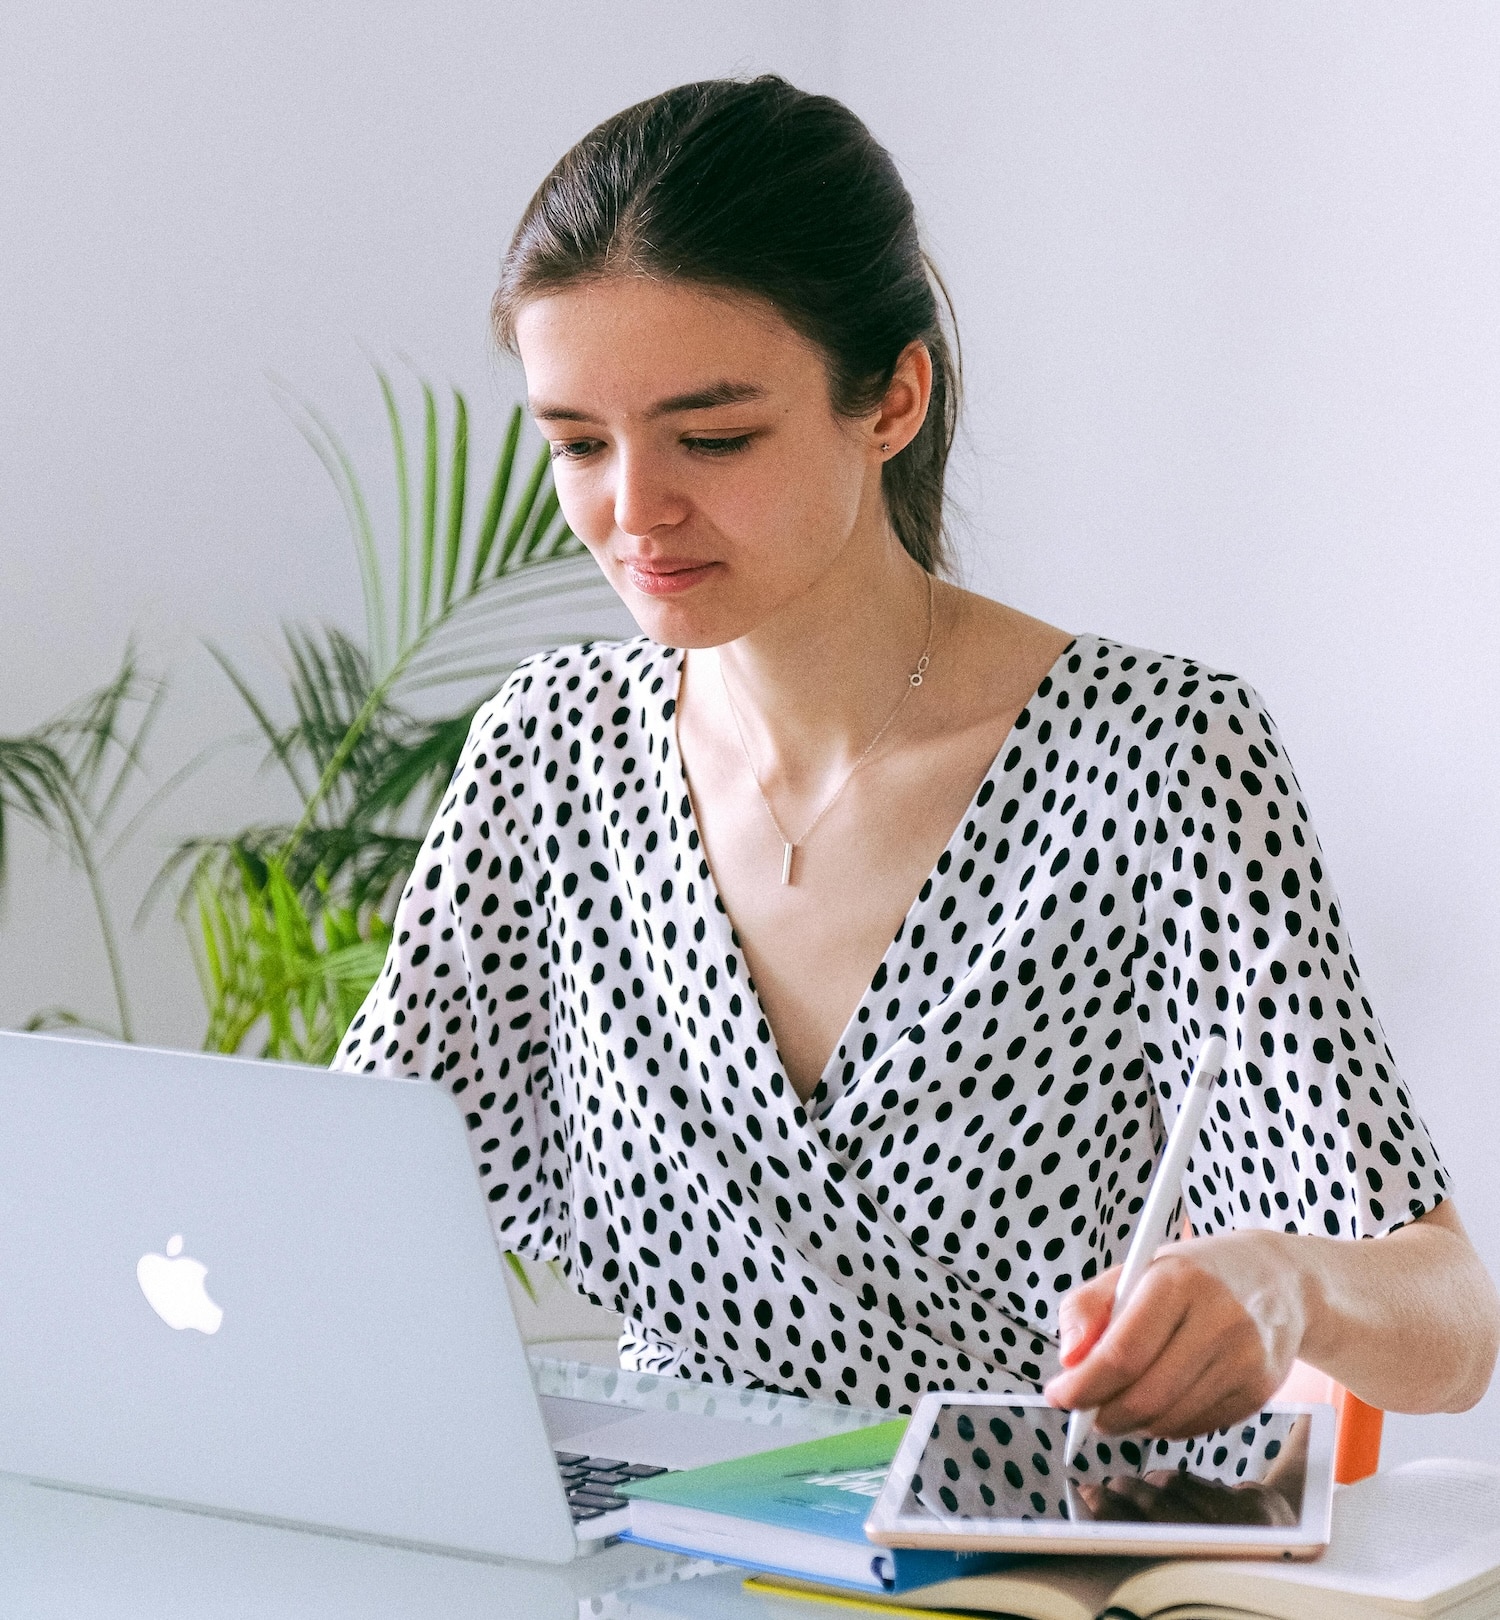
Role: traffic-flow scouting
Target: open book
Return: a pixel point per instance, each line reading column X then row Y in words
column 1421, row 1541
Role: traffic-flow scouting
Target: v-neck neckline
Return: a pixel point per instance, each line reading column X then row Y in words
column 821, row 1098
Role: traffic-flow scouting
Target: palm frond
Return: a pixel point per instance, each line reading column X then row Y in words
column 269, row 964
column 403, row 505
column 329, row 449
column 279, row 739
column 49, row 1018
column 458, row 478
column 69, row 777
column 34, row 783
column 429, row 498
column 499, row 489
column 103, row 735
column 521, row 516
column 287, row 920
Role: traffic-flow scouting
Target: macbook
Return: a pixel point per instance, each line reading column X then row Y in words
column 272, row 1292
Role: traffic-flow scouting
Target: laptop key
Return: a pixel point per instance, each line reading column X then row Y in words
column 589, row 1482
column 604, row 1500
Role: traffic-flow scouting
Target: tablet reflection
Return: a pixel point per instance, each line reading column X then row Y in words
column 1006, row 1462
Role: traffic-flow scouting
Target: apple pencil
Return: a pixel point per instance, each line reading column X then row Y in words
column 1166, row 1188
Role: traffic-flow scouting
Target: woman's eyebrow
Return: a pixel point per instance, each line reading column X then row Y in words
column 705, row 399
column 698, row 399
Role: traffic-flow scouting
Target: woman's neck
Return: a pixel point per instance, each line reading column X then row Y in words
column 813, row 685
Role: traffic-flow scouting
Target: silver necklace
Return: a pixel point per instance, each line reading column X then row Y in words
column 789, row 846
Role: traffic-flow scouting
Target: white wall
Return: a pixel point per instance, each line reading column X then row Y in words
column 1229, row 284
column 1227, row 276
column 194, row 195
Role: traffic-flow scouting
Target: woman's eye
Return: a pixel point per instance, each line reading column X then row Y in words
column 719, row 447
column 573, row 449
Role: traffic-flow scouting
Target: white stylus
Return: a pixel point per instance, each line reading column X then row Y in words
column 1166, row 1189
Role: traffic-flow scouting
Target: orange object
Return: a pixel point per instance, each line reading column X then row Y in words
column 1356, row 1448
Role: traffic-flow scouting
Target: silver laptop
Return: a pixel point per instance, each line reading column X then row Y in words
column 272, row 1292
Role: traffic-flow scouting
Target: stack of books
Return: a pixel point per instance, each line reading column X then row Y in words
column 1420, row 1542
column 798, row 1512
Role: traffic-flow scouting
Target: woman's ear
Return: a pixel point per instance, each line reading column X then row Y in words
column 904, row 406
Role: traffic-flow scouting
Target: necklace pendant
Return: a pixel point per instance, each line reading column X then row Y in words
column 786, row 864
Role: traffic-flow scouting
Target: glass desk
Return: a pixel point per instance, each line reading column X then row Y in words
column 65, row 1555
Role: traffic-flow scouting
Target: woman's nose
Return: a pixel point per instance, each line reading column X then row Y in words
column 645, row 498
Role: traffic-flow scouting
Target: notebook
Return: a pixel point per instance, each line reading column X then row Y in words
column 800, row 1509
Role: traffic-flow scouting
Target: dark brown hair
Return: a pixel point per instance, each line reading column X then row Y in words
column 760, row 188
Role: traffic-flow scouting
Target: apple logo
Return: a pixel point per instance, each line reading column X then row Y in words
column 173, row 1286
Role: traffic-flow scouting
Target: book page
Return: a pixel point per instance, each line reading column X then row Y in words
column 1042, row 1589
column 1420, row 1538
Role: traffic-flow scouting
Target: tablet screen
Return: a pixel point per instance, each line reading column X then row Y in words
column 988, row 1462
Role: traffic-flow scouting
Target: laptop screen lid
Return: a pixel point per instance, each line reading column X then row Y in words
column 262, row 1289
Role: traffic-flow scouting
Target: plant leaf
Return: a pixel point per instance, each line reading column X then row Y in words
column 523, row 508
column 34, row 783
column 403, row 508
column 518, row 1271
column 457, row 478
column 287, row 922
column 429, row 500
column 498, row 491
column 329, row 449
column 280, row 744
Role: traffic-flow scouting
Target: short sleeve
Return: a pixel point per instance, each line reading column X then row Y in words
column 1240, row 931
column 462, row 998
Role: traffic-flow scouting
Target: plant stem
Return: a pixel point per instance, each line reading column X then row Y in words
column 347, row 744
column 106, row 926
column 111, row 948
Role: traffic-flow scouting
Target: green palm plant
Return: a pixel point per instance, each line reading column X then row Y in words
column 289, row 918
column 34, row 785
column 264, row 959
column 70, row 778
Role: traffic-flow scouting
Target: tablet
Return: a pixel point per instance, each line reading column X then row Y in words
column 987, row 1473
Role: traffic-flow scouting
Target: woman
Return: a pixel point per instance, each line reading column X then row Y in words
column 817, row 971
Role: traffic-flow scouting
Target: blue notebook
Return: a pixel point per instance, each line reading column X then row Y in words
column 798, row 1511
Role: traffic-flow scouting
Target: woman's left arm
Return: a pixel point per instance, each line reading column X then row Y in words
column 1408, row 1321
column 1325, row 1227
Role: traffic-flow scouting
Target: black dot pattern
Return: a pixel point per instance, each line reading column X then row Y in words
column 1136, row 869
column 1010, row 1462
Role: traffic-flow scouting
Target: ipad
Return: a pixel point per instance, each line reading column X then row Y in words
column 987, row 1473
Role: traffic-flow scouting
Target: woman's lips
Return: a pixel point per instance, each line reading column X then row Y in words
column 666, row 579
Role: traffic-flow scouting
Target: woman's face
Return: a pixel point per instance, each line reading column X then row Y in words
column 697, row 454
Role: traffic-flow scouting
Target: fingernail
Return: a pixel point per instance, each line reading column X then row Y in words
column 1071, row 1336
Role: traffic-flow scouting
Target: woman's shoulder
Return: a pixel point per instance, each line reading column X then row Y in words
column 1150, row 699
column 587, row 683
column 1141, row 674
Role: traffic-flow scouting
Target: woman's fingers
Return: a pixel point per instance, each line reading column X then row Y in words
column 1124, row 1352
column 1085, row 1315
column 1212, row 1404
column 1185, row 1369
column 1199, row 1373
column 1203, row 1409
column 1187, row 1353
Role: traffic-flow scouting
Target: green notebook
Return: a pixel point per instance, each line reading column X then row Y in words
column 797, row 1511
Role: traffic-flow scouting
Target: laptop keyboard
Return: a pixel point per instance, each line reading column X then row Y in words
column 591, row 1482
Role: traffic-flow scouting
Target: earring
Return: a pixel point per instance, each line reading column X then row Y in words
column 884, row 446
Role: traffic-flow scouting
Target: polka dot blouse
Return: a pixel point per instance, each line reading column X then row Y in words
column 1136, row 869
